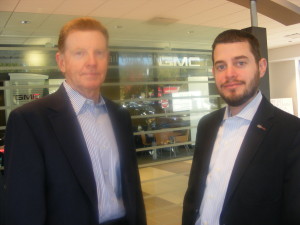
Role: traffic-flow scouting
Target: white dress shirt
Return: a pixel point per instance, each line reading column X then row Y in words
column 227, row 145
column 102, row 147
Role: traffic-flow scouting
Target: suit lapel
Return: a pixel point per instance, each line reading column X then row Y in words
column 116, row 122
column 258, row 129
column 206, row 136
column 209, row 139
column 121, row 134
column 69, row 134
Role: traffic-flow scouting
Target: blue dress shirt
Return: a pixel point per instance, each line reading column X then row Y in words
column 102, row 147
column 226, row 148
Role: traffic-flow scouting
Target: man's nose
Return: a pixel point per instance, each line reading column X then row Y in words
column 230, row 71
column 91, row 60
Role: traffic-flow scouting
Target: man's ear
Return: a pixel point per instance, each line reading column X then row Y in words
column 60, row 61
column 262, row 67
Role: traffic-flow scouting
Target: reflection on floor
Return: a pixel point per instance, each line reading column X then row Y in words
column 164, row 187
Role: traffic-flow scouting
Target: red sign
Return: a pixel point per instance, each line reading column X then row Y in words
column 164, row 103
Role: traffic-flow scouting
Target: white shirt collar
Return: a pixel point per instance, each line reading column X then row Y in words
column 78, row 101
column 248, row 111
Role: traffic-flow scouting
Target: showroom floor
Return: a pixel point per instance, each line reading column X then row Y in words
column 164, row 187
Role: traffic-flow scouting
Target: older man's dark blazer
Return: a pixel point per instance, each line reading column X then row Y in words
column 48, row 171
column 264, row 187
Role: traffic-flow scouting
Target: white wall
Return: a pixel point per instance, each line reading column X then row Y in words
column 284, row 53
column 284, row 74
column 283, row 81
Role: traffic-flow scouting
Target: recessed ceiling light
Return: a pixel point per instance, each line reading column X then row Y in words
column 119, row 27
column 190, row 32
column 162, row 21
column 293, row 36
column 25, row 21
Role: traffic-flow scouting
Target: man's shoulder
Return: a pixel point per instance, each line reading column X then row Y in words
column 212, row 118
column 214, row 115
column 51, row 100
column 286, row 117
column 284, row 120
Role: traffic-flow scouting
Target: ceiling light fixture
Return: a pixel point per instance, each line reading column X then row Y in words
column 25, row 22
column 161, row 21
column 293, row 36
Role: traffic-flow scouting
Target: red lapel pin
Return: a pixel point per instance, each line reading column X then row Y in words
column 261, row 127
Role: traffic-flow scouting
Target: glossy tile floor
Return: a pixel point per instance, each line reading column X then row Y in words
column 164, row 187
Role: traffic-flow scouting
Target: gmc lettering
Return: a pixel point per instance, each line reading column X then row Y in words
column 176, row 61
column 27, row 97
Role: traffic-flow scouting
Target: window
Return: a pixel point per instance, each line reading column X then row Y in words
column 166, row 92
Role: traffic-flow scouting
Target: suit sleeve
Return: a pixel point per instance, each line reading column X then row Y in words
column 24, row 174
column 291, row 195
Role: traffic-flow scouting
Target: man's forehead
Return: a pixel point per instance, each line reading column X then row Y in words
column 72, row 37
column 235, row 49
column 238, row 44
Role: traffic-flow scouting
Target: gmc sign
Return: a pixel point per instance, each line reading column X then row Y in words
column 22, row 97
column 176, row 61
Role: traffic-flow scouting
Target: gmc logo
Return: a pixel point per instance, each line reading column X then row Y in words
column 176, row 61
column 27, row 97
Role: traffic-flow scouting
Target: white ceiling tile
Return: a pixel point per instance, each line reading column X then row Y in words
column 38, row 6
column 12, row 40
column 15, row 32
column 221, row 11
column 54, row 22
column 192, row 8
column 14, row 26
column 154, row 8
column 78, row 7
column 242, row 16
column 116, row 8
column 4, row 18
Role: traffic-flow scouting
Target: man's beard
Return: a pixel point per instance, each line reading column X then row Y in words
column 248, row 93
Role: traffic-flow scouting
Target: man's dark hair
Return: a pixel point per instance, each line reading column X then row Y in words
column 232, row 36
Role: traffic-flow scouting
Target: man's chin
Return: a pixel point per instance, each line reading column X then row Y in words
column 235, row 100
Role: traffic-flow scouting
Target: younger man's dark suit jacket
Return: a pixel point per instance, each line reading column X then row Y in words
column 1, row 200
column 49, row 176
column 264, row 187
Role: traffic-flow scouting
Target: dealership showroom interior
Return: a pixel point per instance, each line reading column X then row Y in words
column 160, row 70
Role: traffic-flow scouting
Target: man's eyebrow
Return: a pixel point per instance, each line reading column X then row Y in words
column 241, row 57
column 235, row 58
column 219, row 61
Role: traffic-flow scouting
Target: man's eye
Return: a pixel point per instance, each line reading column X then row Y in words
column 79, row 53
column 240, row 63
column 220, row 67
column 100, row 54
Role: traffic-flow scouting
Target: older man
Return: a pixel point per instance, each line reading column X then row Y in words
column 70, row 157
